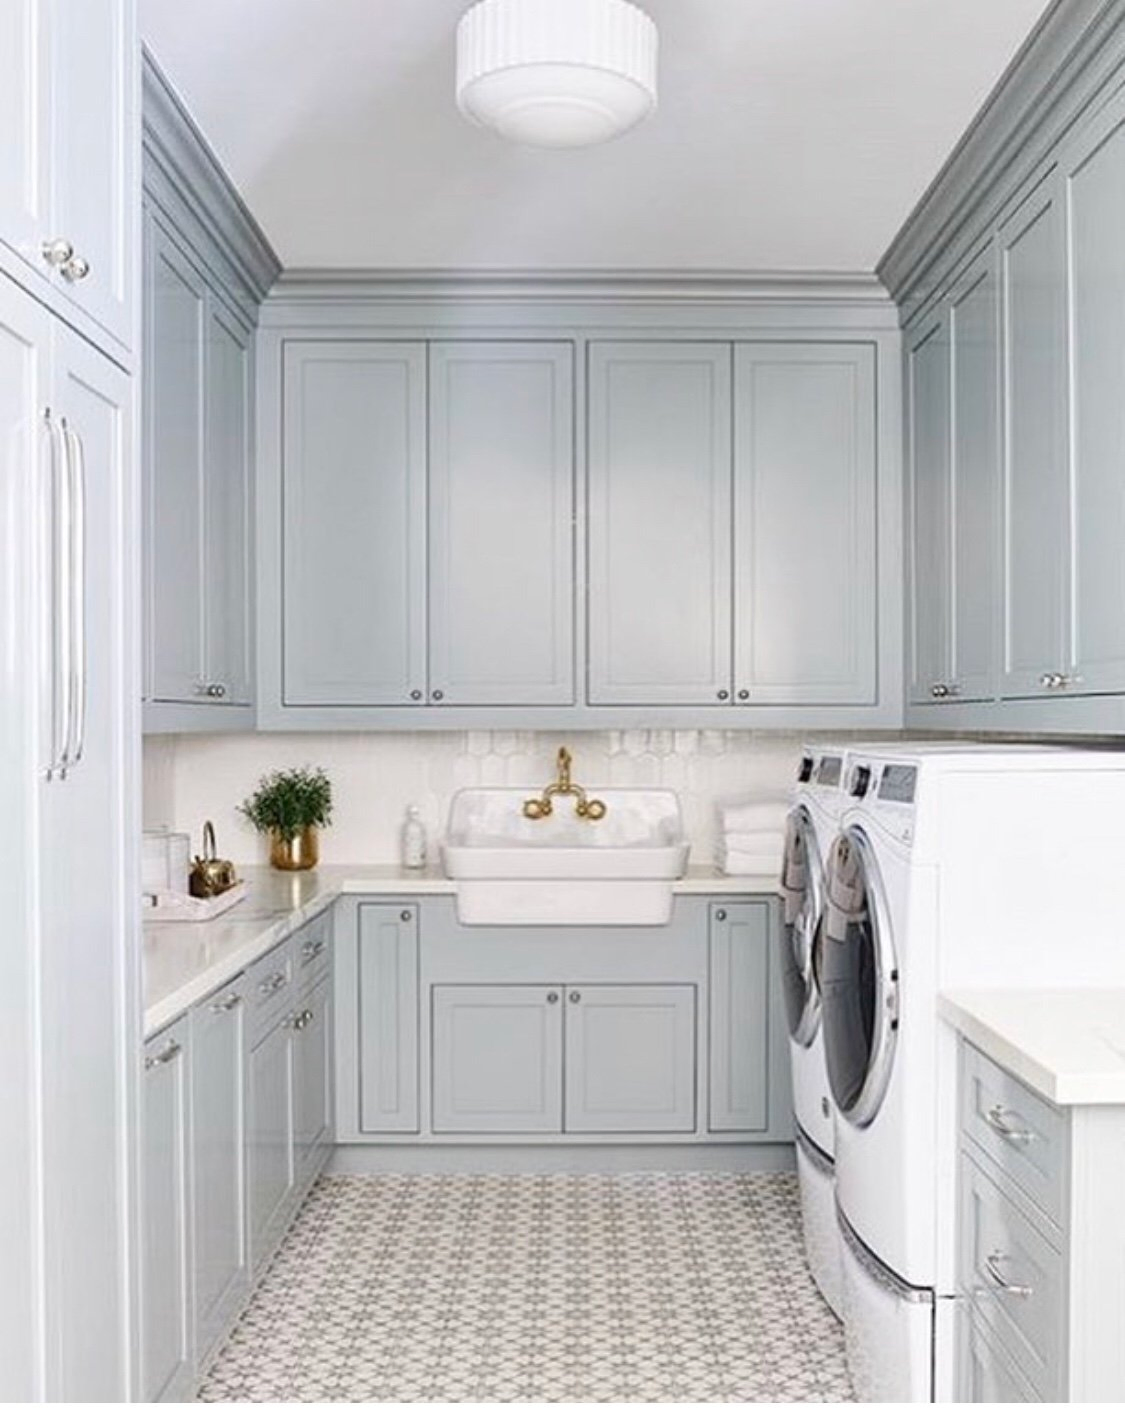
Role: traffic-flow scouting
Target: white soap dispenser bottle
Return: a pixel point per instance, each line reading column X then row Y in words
column 413, row 840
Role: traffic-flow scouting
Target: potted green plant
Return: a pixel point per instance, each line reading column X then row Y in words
column 290, row 806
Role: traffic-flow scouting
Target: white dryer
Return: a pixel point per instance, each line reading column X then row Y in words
column 809, row 833
column 953, row 867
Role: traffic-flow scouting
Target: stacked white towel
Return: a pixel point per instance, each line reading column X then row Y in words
column 751, row 835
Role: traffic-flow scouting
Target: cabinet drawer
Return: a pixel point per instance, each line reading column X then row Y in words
column 985, row 1373
column 1023, row 1134
column 312, row 949
column 1013, row 1277
column 271, row 987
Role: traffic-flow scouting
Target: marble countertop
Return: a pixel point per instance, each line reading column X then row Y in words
column 1068, row 1044
column 184, row 962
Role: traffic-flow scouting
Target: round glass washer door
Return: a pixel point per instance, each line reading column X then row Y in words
column 858, row 980
column 802, row 890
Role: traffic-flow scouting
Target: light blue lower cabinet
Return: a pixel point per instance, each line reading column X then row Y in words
column 630, row 1058
column 312, row 1077
column 167, row 1336
column 269, row 1141
column 497, row 1059
column 739, row 1075
column 221, row 1273
column 387, row 1002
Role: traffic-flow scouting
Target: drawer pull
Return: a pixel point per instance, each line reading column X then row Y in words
column 311, row 948
column 272, row 984
column 999, row 1281
column 163, row 1057
column 228, row 1004
column 996, row 1118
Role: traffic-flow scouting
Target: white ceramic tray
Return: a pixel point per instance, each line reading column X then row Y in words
column 171, row 906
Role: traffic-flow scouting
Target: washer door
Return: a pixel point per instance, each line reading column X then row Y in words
column 858, row 980
column 802, row 889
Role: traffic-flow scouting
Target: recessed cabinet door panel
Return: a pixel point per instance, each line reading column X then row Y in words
column 805, row 562
column 167, row 1353
column 174, row 359
column 974, row 328
column 660, row 529
column 218, row 1102
column 740, row 1007
column 1096, row 197
column 1036, row 453
column 930, row 505
column 226, row 493
column 270, row 1164
column 95, row 110
column 630, row 1058
column 354, row 516
column 24, row 168
column 497, row 1059
column 501, row 523
column 313, row 1075
column 388, row 1018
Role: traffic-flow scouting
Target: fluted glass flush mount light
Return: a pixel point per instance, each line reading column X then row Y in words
column 556, row 73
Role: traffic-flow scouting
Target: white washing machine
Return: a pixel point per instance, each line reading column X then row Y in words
column 953, row 867
column 809, row 833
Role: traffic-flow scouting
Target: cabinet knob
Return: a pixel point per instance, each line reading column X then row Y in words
column 744, row 694
column 438, row 695
column 228, row 1004
column 939, row 691
column 216, row 692
column 406, row 916
column 75, row 269
column 552, row 997
column 574, row 996
column 163, row 1057
column 57, row 252
column 416, row 694
column 720, row 915
column 724, row 694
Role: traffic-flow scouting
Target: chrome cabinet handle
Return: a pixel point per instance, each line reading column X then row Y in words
column 273, row 983
column 58, row 497
column 416, row 694
column 311, row 948
column 438, row 695
column 720, row 915
column 724, row 694
column 76, row 470
column 574, row 996
column 299, row 1021
column 939, row 691
column 996, row 1119
column 57, row 252
column 744, row 694
column 228, row 1004
column 216, row 692
column 999, row 1281
column 164, row 1056
column 552, row 997
column 406, row 916
column 74, row 269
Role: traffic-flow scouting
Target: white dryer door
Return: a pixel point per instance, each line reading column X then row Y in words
column 888, row 1329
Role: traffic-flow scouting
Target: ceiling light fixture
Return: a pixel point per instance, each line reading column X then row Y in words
column 556, row 73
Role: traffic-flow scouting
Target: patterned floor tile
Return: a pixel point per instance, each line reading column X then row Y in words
column 644, row 1288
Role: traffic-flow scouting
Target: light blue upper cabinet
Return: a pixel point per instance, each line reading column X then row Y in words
column 176, row 324
column 501, row 512
column 1094, row 171
column 804, row 498
column 1036, row 451
column 354, row 523
column 660, row 492
column 928, row 392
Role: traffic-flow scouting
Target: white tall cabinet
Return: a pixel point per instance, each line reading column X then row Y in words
column 69, row 728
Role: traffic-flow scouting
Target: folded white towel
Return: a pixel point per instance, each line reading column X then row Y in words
column 753, row 815
column 739, row 864
column 758, row 858
column 764, row 836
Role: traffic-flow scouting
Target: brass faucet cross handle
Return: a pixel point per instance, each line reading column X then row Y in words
column 592, row 809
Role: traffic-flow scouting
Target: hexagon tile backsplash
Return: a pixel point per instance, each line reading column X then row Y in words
column 189, row 779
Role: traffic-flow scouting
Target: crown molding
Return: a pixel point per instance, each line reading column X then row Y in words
column 1072, row 54
column 174, row 142
column 525, row 286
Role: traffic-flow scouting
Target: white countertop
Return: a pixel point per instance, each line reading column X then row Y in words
column 1068, row 1044
column 184, row 962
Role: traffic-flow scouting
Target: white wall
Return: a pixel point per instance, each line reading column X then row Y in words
column 189, row 779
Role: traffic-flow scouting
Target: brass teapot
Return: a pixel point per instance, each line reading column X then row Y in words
column 210, row 874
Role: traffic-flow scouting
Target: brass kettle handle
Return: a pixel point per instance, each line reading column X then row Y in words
column 210, row 850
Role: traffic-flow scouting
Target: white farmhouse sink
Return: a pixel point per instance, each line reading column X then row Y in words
column 564, row 869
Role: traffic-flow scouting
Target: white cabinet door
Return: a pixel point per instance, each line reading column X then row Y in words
column 1037, row 512
column 1094, row 170
column 220, row 1263
column 974, row 338
column 95, row 121
column 354, row 523
column 226, row 508
column 804, row 524
column 928, row 385
column 165, row 1301
column 501, row 539
column 312, row 1076
column 176, row 325
column 86, row 924
column 25, row 122
column 497, row 1059
column 659, row 523
column 630, row 1058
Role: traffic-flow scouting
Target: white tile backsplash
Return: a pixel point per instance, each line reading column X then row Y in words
column 192, row 778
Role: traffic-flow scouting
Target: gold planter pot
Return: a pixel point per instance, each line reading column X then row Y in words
column 299, row 853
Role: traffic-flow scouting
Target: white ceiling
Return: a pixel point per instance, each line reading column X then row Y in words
column 791, row 134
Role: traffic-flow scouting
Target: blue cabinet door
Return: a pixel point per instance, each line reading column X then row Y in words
column 312, row 1084
column 740, row 1018
column 388, row 1018
column 501, row 530
column 354, row 523
column 270, row 1171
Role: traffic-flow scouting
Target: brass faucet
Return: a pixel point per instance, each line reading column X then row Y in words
column 537, row 807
